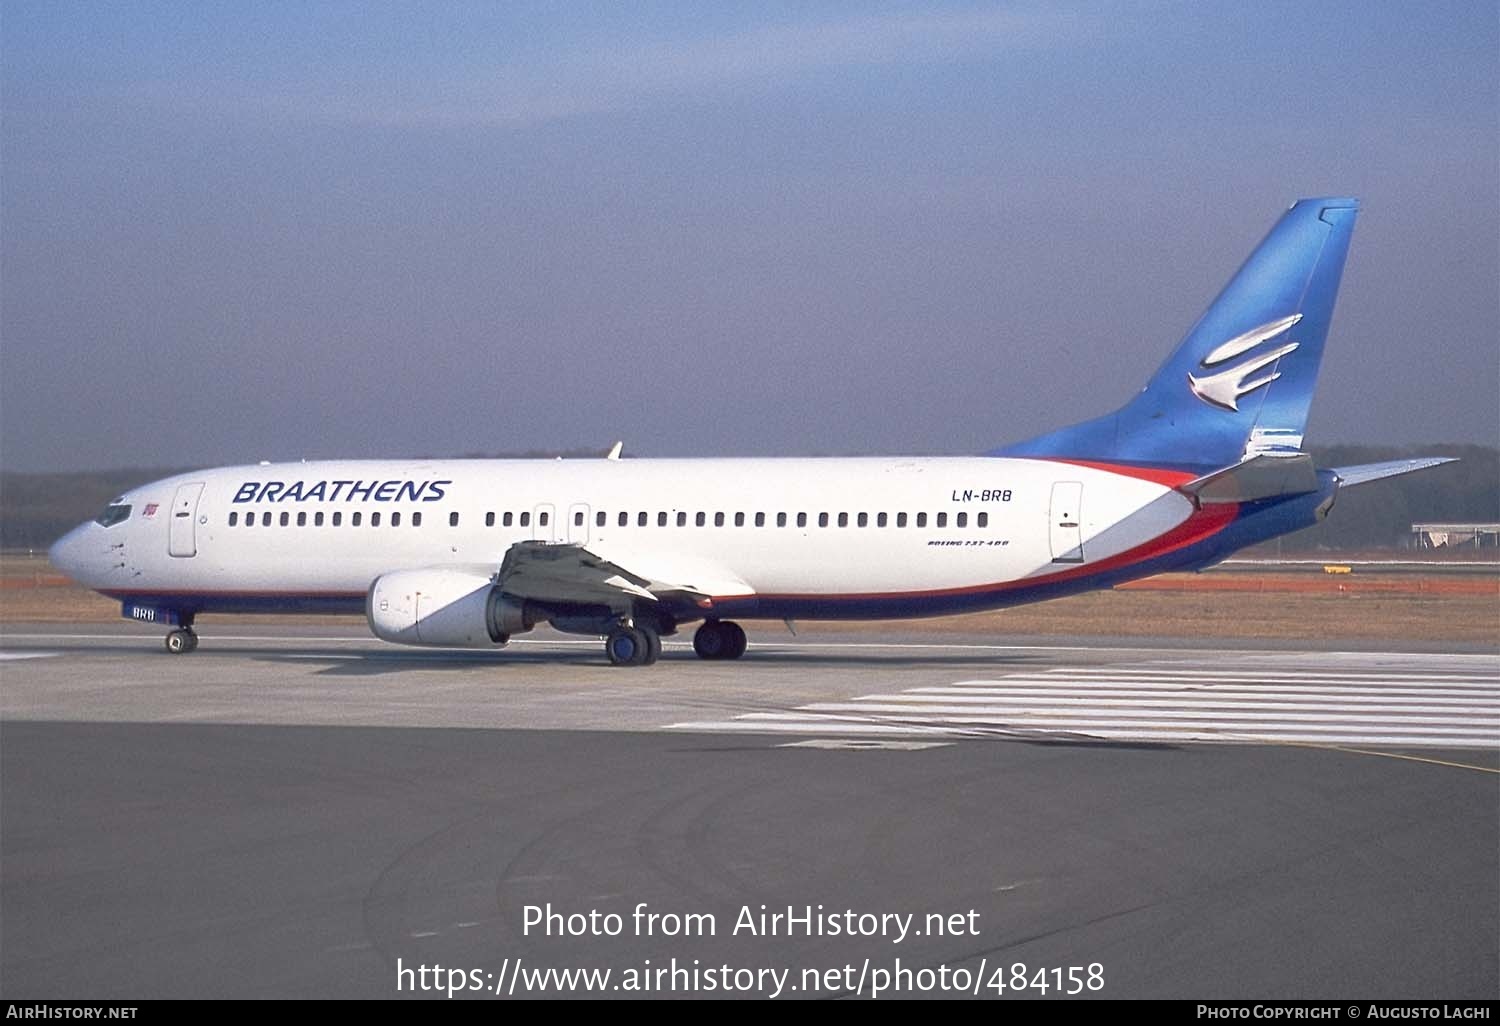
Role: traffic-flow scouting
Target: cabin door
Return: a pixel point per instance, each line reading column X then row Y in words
column 1066, row 524
column 182, row 538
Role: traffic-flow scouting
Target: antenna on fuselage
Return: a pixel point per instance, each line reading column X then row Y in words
column 614, row 452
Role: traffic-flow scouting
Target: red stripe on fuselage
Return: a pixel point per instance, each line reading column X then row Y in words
column 1156, row 475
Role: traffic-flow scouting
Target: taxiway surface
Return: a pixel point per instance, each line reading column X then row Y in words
column 299, row 812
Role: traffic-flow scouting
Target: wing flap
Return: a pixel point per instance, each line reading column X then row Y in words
column 552, row 572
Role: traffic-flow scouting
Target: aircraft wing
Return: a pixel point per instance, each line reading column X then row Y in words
column 570, row 573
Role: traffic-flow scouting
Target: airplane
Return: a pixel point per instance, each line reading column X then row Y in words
column 1205, row 460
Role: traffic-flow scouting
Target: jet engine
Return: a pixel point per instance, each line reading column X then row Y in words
column 443, row 607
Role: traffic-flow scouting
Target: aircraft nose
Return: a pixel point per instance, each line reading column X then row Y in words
column 66, row 554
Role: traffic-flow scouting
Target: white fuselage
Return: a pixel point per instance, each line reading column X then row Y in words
column 811, row 537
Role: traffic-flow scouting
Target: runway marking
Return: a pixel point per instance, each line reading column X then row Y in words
column 853, row 745
column 1362, row 705
column 7, row 656
column 1404, row 757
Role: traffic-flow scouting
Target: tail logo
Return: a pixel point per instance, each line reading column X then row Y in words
column 1225, row 388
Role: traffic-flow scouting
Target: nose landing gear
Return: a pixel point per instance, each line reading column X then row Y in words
column 182, row 641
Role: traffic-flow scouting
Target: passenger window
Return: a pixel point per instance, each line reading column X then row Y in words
column 739, row 520
column 661, row 520
column 318, row 518
column 880, row 520
column 942, row 520
column 822, row 519
column 921, row 519
column 286, row 519
column 452, row 519
column 578, row 518
column 302, row 519
column 864, row 520
column 641, row 520
column 354, row 519
column 801, row 519
column 624, row 519
column 962, row 520
column 416, row 519
column 541, row 519
column 249, row 519
column 900, row 519
column 525, row 519
column 508, row 519
column 700, row 519
column 489, row 519
column 338, row 519
column 983, row 520
column 760, row 520
column 718, row 520
column 395, row 519
column 234, row 519
column 374, row 519
column 781, row 520
column 843, row 520
column 681, row 519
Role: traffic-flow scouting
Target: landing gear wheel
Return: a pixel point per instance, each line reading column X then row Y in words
column 631, row 646
column 182, row 641
column 719, row 639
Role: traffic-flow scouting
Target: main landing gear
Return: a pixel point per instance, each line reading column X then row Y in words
column 640, row 644
column 719, row 639
column 632, row 645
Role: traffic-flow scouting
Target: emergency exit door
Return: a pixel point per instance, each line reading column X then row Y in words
column 578, row 523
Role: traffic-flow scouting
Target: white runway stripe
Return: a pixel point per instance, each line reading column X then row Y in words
column 1370, row 705
column 1458, row 684
column 1079, row 705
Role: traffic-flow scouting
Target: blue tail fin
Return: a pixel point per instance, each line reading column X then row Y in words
column 1241, row 382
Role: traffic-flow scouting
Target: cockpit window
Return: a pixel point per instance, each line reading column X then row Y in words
column 113, row 514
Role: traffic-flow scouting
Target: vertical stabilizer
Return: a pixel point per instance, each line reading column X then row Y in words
column 1241, row 383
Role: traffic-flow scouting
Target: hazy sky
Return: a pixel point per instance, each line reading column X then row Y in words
column 233, row 231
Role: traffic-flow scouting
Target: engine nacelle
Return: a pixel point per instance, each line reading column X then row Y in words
column 448, row 608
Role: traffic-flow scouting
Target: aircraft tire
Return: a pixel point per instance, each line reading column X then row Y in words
column 181, row 642
column 627, row 646
column 734, row 637
column 710, row 640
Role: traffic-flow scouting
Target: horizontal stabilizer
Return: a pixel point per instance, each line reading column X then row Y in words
column 1391, row 468
column 1260, row 477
